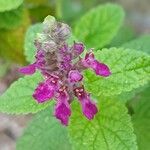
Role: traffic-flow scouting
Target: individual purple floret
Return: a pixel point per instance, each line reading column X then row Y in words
column 61, row 66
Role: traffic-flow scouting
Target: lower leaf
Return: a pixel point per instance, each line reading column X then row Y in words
column 110, row 130
column 44, row 133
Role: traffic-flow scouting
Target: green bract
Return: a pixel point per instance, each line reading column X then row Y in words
column 29, row 41
column 111, row 128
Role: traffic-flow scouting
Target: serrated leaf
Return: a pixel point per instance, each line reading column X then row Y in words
column 44, row 133
column 6, row 5
column 29, row 41
column 11, row 19
column 130, row 69
column 18, row 98
column 97, row 27
column 141, row 119
column 11, row 46
column 142, row 43
column 111, row 129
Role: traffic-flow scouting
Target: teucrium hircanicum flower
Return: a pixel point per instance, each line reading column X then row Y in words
column 61, row 67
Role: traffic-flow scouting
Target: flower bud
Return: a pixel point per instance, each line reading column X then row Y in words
column 61, row 32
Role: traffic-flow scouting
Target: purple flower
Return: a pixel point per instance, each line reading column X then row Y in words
column 89, row 108
column 28, row 70
column 75, row 76
column 77, row 49
column 62, row 108
column 100, row 69
column 62, row 67
column 46, row 90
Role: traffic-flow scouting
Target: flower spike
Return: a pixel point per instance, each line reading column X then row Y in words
column 61, row 66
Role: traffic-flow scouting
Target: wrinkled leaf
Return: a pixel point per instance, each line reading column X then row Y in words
column 29, row 41
column 110, row 129
column 130, row 69
column 44, row 133
column 97, row 27
column 18, row 98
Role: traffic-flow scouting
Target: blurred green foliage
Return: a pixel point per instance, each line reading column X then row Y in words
column 18, row 15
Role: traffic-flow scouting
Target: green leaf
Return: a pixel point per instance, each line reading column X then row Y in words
column 97, row 27
column 111, row 129
column 11, row 19
column 130, row 69
column 44, row 133
column 141, row 119
column 18, row 98
column 6, row 5
column 29, row 41
column 142, row 43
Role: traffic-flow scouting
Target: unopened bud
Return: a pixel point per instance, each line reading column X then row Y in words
column 49, row 23
column 61, row 32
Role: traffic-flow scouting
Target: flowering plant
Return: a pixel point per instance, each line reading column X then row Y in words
column 63, row 78
column 73, row 66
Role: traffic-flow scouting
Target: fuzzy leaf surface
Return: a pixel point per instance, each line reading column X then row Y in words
column 18, row 98
column 29, row 41
column 110, row 129
column 97, row 27
column 44, row 133
column 130, row 69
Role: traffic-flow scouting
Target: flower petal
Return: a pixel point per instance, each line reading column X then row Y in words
column 101, row 69
column 75, row 76
column 78, row 48
column 62, row 108
column 28, row 70
column 89, row 109
column 62, row 112
column 44, row 92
